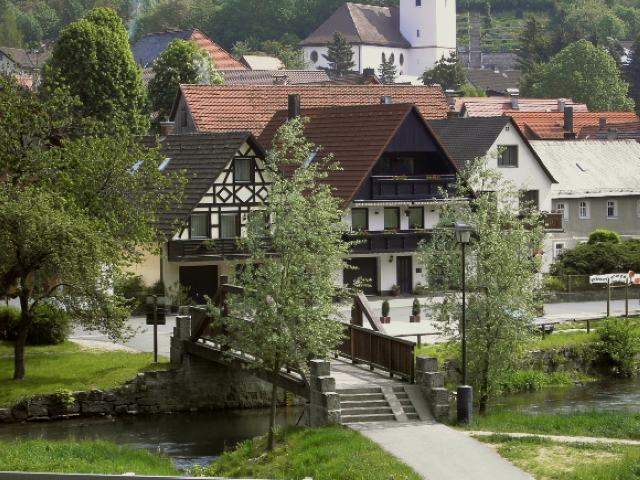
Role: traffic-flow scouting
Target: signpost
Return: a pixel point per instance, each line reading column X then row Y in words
column 156, row 315
column 612, row 279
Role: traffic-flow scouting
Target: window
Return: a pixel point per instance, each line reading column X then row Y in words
column 584, row 211
column 229, row 225
column 562, row 208
column 314, row 56
column 401, row 59
column 416, row 218
column 199, row 225
column 508, row 156
column 242, row 170
column 418, row 33
column 418, row 3
column 531, row 199
column 359, row 219
column 612, row 209
column 392, row 58
column 391, row 218
column 638, row 208
column 558, row 250
column 384, row 57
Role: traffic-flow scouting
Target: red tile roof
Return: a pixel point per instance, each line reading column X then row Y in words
column 250, row 107
column 221, row 58
column 550, row 125
column 355, row 135
column 496, row 106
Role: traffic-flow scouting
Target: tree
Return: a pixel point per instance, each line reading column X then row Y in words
column 632, row 73
column 585, row 73
column 339, row 54
column 92, row 60
column 447, row 72
column 182, row 62
column 535, row 44
column 289, row 275
column 387, row 71
column 73, row 213
column 501, row 274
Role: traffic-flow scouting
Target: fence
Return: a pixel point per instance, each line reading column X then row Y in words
column 378, row 350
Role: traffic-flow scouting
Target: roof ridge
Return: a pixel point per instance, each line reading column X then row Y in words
column 353, row 20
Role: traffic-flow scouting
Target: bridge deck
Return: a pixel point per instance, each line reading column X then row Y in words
column 349, row 375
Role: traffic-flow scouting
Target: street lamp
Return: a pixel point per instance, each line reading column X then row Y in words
column 463, row 233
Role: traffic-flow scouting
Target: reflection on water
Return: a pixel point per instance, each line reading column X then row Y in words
column 188, row 439
column 604, row 395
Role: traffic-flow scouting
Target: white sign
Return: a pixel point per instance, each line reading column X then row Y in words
column 615, row 278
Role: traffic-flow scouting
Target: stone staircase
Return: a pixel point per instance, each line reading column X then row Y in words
column 372, row 404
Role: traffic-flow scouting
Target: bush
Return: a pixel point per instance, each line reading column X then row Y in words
column 554, row 284
column 599, row 258
column 385, row 308
column 133, row 289
column 603, row 235
column 51, row 325
column 619, row 343
column 416, row 308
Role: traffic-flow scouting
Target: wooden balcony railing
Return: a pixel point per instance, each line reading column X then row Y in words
column 387, row 242
column 384, row 187
column 194, row 249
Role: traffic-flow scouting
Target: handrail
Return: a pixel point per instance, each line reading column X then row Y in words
column 362, row 305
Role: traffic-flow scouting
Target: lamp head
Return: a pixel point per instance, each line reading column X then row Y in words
column 463, row 232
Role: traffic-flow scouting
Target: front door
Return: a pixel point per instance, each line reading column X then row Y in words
column 200, row 281
column 365, row 268
column 404, row 269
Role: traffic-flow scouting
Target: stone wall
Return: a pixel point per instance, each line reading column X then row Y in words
column 429, row 377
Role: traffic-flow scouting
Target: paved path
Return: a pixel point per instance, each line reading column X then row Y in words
column 437, row 452
column 348, row 375
column 561, row 438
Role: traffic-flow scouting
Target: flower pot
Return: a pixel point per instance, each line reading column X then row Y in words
column 385, row 320
column 414, row 319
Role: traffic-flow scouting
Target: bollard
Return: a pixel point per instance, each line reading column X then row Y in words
column 465, row 404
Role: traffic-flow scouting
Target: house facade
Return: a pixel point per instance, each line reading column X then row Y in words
column 598, row 187
column 414, row 35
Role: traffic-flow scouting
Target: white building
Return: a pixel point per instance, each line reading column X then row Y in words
column 414, row 35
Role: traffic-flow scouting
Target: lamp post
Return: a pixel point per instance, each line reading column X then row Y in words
column 465, row 392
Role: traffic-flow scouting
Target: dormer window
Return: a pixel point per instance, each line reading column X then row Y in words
column 199, row 226
column 418, row 33
column 418, row 3
column 242, row 170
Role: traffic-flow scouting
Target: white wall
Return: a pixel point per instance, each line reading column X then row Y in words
column 435, row 19
column 376, row 217
column 387, row 273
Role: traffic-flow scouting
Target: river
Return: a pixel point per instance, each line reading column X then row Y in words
column 187, row 438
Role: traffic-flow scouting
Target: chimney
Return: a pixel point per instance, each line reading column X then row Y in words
column 294, row 106
column 514, row 93
column 562, row 103
column 280, row 79
column 386, row 100
column 368, row 72
column 612, row 134
column 603, row 123
column 167, row 128
column 568, row 118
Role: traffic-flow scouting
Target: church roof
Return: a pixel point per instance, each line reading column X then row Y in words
column 361, row 24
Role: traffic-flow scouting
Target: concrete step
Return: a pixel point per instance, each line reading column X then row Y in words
column 408, row 410
column 366, row 411
column 361, row 397
column 413, row 416
column 359, row 390
column 384, row 417
column 364, row 403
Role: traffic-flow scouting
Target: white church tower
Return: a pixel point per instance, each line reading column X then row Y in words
column 430, row 27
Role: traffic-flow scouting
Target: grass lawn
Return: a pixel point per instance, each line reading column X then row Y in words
column 68, row 367
column 323, row 454
column 562, row 339
column 590, row 424
column 80, row 457
column 556, row 461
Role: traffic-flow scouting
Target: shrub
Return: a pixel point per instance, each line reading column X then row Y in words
column 421, row 289
column 619, row 343
column 416, row 308
column 385, row 308
column 133, row 289
column 599, row 258
column 603, row 235
column 554, row 284
column 51, row 325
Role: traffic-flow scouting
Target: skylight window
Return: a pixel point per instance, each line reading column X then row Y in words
column 164, row 164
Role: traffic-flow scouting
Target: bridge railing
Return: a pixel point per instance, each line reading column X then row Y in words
column 390, row 354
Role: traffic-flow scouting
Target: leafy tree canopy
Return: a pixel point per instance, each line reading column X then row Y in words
column 181, row 63
column 447, row 72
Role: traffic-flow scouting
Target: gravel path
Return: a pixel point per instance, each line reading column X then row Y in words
column 561, row 438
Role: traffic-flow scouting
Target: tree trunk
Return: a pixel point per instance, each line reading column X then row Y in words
column 484, row 387
column 271, row 439
column 21, row 339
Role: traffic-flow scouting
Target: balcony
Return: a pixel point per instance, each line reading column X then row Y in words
column 386, row 187
column 387, row 242
column 194, row 250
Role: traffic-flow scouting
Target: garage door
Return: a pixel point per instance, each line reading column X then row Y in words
column 366, row 268
column 201, row 281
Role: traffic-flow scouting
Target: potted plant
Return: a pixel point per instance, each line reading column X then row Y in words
column 385, row 318
column 395, row 290
column 415, row 311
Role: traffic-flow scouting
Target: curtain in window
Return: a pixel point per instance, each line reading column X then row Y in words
column 199, row 225
column 229, row 226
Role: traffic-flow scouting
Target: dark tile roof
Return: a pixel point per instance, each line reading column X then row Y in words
column 467, row 139
column 251, row 107
column 355, row 135
column 361, row 24
column 493, row 81
column 274, row 77
column 201, row 158
column 148, row 48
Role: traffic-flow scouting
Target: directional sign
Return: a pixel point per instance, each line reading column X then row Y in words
column 615, row 279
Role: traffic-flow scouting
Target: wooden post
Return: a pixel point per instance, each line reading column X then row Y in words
column 588, row 326
column 609, row 298
column 419, row 341
column 353, row 345
column 626, row 300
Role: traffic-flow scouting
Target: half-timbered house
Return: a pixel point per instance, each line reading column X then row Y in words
column 225, row 184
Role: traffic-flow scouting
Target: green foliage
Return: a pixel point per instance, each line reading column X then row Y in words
column 385, row 308
column 599, row 258
column 92, row 61
column 183, row 62
column 9, row 318
column 416, row 308
column 50, row 325
column 469, row 90
column 286, row 49
column 447, row 72
column 632, row 73
column 339, row 54
column 519, row 381
column 133, row 289
column 503, row 283
column 554, row 284
column 387, row 71
column 324, row 454
column 81, row 457
column 619, row 342
column 602, row 235
column 585, row 73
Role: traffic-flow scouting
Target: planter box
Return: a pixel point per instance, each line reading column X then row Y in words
column 414, row 319
column 385, row 320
